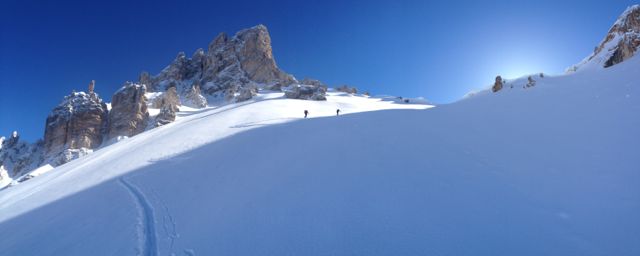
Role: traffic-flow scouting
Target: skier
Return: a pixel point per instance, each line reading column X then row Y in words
column 337, row 112
column 306, row 112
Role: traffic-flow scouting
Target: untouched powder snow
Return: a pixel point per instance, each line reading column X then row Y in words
column 548, row 170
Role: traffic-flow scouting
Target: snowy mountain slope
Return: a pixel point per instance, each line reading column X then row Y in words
column 195, row 128
column 621, row 43
column 547, row 170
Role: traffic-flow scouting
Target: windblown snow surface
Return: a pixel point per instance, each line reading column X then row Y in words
column 548, row 170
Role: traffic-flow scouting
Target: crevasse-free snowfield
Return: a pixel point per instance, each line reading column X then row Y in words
column 546, row 170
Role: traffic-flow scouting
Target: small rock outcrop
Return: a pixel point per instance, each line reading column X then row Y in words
column 530, row 82
column 621, row 42
column 306, row 92
column 168, row 104
column 129, row 115
column 193, row 98
column 78, row 122
column 347, row 89
column 497, row 85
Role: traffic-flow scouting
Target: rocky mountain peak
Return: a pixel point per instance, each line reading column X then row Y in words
column 232, row 69
column 621, row 42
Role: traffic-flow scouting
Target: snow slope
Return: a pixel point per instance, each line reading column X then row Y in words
column 549, row 170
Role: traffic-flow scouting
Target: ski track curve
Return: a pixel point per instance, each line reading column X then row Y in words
column 148, row 245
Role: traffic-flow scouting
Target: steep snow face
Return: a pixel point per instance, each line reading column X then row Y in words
column 620, row 44
column 548, row 170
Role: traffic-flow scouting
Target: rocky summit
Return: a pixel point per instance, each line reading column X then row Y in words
column 231, row 69
column 75, row 127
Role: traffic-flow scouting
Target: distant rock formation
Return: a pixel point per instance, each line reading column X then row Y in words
column 497, row 85
column 314, row 82
column 347, row 89
column 232, row 68
column 128, row 115
column 78, row 123
column 311, row 90
column 621, row 42
column 168, row 104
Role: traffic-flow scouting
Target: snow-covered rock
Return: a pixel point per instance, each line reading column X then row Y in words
column 305, row 92
column 37, row 172
column 621, row 42
column 18, row 157
column 168, row 104
column 79, row 122
column 193, row 98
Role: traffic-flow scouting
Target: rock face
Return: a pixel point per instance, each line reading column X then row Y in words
column 128, row 115
column 78, row 122
column 621, row 42
column 18, row 157
column 309, row 90
column 168, row 104
column 231, row 68
column 497, row 85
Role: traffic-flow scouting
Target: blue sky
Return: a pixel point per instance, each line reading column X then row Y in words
column 439, row 50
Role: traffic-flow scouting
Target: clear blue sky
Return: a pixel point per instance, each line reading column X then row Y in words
column 439, row 50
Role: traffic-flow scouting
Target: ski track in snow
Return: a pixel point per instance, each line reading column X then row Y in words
column 168, row 223
column 148, row 245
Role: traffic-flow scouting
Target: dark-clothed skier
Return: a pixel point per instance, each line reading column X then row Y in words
column 337, row 112
column 306, row 112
